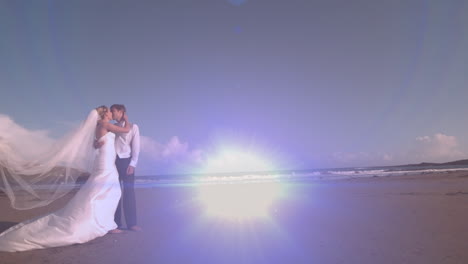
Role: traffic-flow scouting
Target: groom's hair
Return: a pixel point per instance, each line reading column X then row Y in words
column 119, row 107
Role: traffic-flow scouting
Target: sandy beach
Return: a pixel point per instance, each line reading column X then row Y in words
column 396, row 219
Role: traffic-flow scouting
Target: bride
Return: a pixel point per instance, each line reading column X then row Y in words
column 90, row 213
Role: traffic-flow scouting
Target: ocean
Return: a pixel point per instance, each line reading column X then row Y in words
column 292, row 175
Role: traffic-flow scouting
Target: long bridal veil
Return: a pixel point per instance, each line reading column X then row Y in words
column 37, row 180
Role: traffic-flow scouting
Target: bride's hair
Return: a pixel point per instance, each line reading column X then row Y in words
column 102, row 110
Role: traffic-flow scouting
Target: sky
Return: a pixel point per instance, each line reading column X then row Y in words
column 300, row 84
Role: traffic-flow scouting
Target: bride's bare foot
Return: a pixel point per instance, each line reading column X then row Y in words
column 135, row 228
column 116, row 231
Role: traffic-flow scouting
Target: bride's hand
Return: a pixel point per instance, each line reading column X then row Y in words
column 98, row 144
column 125, row 117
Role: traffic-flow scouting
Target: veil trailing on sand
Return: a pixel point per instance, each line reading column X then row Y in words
column 37, row 180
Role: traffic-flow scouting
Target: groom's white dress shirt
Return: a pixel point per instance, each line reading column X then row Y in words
column 128, row 144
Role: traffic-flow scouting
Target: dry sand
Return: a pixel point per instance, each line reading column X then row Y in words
column 404, row 219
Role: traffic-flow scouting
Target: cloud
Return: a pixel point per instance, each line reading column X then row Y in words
column 173, row 149
column 173, row 156
column 437, row 148
column 27, row 143
column 359, row 159
column 387, row 157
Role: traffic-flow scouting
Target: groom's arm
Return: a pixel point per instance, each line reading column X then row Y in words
column 135, row 150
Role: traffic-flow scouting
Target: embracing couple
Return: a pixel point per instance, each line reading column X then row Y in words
column 96, row 209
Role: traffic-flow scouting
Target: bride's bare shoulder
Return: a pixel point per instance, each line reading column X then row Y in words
column 102, row 125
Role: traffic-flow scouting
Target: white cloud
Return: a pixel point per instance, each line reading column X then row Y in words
column 387, row 157
column 359, row 159
column 174, row 149
column 172, row 157
column 27, row 143
column 437, row 148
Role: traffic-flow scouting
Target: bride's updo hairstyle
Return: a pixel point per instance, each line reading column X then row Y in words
column 102, row 110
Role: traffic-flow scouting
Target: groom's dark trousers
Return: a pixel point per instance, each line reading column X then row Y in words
column 127, row 201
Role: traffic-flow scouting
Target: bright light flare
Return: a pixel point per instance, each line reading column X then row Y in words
column 238, row 197
column 239, row 201
column 233, row 160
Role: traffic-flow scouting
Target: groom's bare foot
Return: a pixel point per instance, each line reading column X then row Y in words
column 116, row 231
column 135, row 228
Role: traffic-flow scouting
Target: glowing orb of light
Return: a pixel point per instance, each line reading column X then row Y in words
column 232, row 160
column 239, row 201
column 238, row 196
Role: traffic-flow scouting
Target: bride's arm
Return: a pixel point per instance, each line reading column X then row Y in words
column 116, row 129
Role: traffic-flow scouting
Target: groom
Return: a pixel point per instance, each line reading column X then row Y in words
column 127, row 147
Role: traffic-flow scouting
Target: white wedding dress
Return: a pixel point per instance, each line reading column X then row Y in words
column 88, row 215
